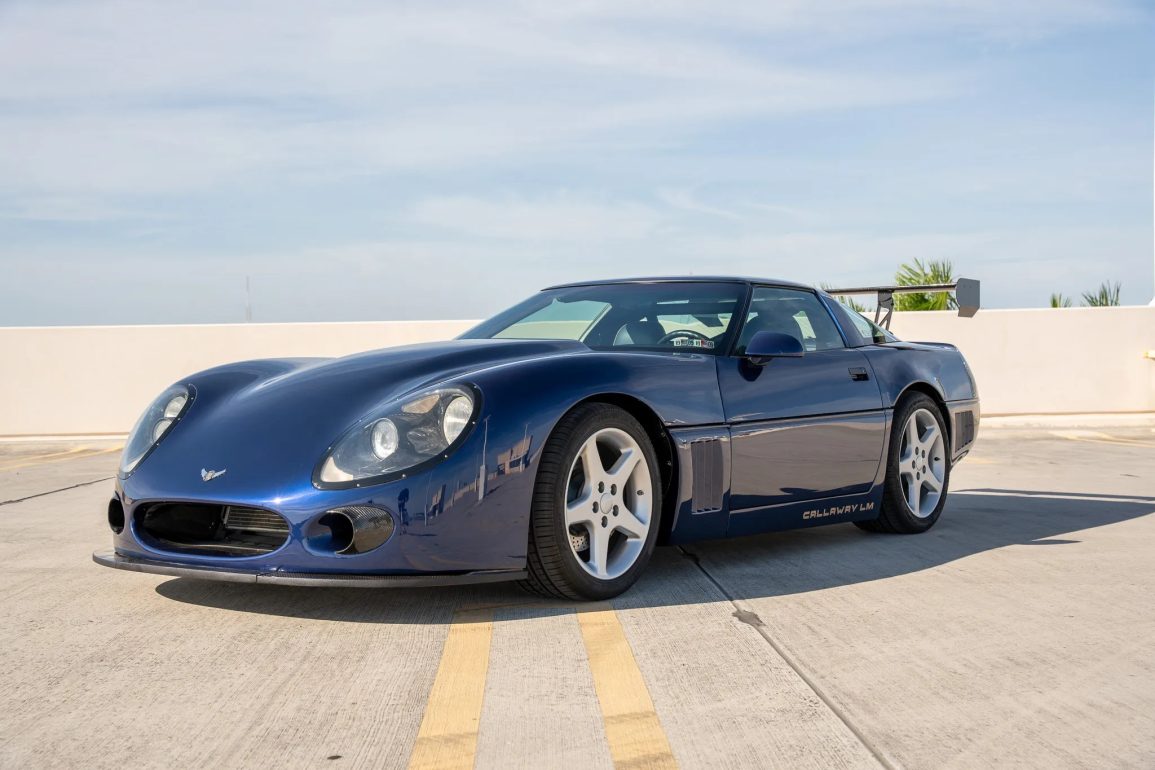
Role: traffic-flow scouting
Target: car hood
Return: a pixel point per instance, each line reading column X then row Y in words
column 269, row 422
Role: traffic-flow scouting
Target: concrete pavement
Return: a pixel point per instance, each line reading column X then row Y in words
column 1020, row 630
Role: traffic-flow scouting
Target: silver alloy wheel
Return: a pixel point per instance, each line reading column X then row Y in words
column 922, row 463
column 608, row 510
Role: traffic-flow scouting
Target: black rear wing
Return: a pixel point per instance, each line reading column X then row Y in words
column 965, row 290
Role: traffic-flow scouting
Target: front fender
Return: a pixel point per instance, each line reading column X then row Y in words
column 481, row 497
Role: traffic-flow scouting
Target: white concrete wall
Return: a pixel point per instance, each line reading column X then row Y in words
column 72, row 380
column 1050, row 361
column 96, row 379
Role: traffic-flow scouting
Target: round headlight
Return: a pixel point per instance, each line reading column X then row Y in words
column 173, row 407
column 153, row 425
column 384, row 438
column 457, row 415
column 159, row 429
column 398, row 436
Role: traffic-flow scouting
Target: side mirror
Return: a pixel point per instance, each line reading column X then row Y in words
column 766, row 345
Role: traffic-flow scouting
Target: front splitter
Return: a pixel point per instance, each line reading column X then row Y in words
column 110, row 558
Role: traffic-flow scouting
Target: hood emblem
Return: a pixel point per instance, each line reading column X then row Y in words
column 210, row 475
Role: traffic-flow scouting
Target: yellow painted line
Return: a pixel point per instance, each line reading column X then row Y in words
column 448, row 734
column 633, row 731
column 55, row 457
column 49, row 455
column 1115, row 441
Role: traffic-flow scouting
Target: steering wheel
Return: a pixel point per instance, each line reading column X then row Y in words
column 687, row 334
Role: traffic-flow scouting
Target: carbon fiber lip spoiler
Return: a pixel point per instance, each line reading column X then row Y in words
column 965, row 290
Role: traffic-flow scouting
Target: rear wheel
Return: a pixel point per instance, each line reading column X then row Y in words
column 918, row 469
column 596, row 506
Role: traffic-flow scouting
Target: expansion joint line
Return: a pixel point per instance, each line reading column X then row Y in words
column 54, row 491
column 751, row 619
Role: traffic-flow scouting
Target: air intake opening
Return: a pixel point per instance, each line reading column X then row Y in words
column 352, row 529
column 218, row 530
column 115, row 516
column 340, row 531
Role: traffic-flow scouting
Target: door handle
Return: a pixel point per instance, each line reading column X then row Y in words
column 859, row 374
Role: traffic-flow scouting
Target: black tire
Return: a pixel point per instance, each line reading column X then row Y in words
column 895, row 515
column 553, row 566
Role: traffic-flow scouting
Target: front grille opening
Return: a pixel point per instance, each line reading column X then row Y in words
column 216, row 530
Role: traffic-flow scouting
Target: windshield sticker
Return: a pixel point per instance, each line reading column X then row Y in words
column 693, row 342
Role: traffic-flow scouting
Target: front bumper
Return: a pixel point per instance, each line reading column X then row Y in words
column 110, row 558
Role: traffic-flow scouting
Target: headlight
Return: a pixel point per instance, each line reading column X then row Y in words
column 152, row 426
column 400, row 436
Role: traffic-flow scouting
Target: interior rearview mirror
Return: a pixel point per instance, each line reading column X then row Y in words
column 764, row 346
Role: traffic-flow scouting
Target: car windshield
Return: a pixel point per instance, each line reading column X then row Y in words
column 687, row 317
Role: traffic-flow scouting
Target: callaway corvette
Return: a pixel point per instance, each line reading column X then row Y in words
column 554, row 444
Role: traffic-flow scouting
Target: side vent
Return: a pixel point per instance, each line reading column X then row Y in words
column 965, row 423
column 706, row 456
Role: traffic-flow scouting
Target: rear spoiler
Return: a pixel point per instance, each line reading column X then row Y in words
column 966, row 295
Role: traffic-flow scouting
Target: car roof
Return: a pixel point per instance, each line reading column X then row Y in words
column 685, row 279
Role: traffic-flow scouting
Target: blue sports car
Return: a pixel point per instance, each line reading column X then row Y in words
column 555, row 444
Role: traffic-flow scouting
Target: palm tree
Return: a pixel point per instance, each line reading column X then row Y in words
column 1106, row 296
column 916, row 274
column 1058, row 300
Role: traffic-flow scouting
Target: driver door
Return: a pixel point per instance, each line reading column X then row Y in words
column 802, row 429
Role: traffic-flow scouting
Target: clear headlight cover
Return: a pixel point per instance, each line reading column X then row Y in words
column 399, row 437
column 164, row 412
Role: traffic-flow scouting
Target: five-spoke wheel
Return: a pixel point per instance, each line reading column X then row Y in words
column 608, row 498
column 922, row 463
column 917, row 468
column 596, row 508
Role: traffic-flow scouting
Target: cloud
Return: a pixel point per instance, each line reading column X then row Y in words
column 121, row 97
column 560, row 217
column 331, row 148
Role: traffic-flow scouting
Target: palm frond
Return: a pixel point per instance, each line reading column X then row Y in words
column 1106, row 296
column 916, row 274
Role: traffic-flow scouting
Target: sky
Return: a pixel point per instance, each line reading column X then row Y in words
column 410, row 160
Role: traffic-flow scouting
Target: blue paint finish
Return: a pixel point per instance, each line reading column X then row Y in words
column 801, row 428
column 807, row 513
column 805, row 459
column 897, row 365
column 796, row 442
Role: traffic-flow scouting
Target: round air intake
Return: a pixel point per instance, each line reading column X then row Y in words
column 115, row 516
column 358, row 528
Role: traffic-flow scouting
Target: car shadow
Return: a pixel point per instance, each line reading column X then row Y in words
column 760, row 566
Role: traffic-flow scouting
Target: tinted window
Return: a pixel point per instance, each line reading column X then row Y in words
column 870, row 331
column 686, row 316
column 793, row 312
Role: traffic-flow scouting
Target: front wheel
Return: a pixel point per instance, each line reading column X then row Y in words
column 917, row 471
column 596, row 506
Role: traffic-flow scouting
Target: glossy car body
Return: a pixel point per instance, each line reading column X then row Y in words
column 796, row 442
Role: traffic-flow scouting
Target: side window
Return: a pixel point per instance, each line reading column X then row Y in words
column 793, row 312
column 869, row 330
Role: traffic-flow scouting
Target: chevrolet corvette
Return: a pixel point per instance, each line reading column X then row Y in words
column 555, row 444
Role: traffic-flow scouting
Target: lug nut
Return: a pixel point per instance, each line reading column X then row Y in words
column 605, row 521
column 595, row 507
column 613, row 489
column 615, row 510
column 601, row 486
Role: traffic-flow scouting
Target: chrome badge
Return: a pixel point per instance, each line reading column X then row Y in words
column 207, row 475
